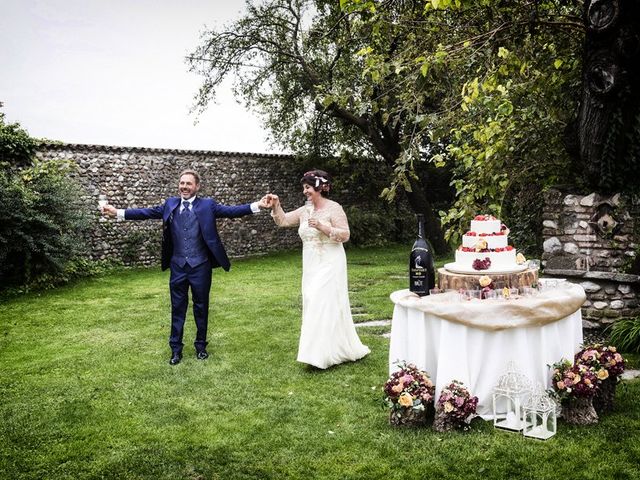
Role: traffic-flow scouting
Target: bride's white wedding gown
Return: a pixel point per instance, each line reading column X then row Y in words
column 327, row 336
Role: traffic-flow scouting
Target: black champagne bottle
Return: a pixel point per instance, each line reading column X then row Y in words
column 421, row 268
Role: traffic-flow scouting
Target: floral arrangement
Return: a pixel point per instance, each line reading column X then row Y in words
column 574, row 380
column 481, row 245
column 605, row 360
column 609, row 366
column 409, row 388
column 486, row 285
column 481, row 264
column 591, row 378
column 455, row 407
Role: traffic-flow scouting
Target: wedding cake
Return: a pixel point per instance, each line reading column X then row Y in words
column 485, row 248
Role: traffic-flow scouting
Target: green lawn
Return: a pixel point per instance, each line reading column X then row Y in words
column 86, row 391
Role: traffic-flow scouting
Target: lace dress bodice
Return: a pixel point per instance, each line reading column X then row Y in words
column 332, row 214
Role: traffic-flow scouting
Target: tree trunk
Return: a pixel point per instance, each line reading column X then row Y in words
column 594, row 118
column 610, row 93
column 386, row 143
column 419, row 204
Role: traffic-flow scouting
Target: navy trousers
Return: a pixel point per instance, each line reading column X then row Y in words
column 199, row 280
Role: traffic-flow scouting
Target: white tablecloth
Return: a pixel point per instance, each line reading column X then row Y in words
column 450, row 350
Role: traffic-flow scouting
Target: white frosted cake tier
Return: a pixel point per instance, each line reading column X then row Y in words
column 486, row 226
column 493, row 241
column 500, row 261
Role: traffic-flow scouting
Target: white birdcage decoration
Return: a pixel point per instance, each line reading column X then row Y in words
column 509, row 394
column 539, row 414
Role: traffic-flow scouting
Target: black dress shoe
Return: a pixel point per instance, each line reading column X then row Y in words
column 175, row 359
column 202, row 355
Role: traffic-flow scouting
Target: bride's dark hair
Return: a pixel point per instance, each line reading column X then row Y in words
column 319, row 180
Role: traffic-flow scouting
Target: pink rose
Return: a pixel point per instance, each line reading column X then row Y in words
column 407, row 379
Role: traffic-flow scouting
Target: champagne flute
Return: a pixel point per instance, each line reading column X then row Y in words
column 102, row 201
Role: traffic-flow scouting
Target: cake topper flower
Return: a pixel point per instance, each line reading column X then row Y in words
column 485, row 281
column 481, row 245
column 520, row 259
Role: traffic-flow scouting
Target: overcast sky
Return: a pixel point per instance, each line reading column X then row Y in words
column 112, row 72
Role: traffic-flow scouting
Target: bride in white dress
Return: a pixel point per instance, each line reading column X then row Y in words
column 328, row 336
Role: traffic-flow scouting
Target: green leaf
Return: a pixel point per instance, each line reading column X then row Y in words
column 505, row 108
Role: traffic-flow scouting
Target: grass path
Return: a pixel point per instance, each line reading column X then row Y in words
column 86, row 391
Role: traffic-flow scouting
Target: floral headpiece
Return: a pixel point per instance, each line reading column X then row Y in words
column 319, row 182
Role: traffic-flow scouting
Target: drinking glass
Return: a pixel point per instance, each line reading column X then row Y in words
column 102, row 201
column 471, row 294
column 534, row 264
column 491, row 295
column 527, row 291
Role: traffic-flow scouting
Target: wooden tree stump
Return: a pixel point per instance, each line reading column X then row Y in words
column 442, row 424
column 456, row 281
column 580, row 411
column 408, row 417
column 603, row 401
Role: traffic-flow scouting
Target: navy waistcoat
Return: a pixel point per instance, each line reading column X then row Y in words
column 188, row 244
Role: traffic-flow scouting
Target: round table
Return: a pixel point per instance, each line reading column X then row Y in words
column 473, row 341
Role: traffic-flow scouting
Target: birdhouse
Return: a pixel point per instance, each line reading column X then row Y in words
column 509, row 394
column 539, row 414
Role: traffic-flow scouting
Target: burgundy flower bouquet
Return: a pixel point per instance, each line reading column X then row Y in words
column 606, row 360
column 455, row 407
column 575, row 387
column 409, row 393
column 576, row 380
column 609, row 366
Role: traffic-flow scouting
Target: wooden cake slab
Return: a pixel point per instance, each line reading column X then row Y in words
column 470, row 281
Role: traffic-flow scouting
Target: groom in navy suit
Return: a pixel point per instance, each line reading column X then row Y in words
column 191, row 248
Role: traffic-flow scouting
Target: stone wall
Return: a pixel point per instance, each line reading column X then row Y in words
column 143, row 177
column 593, row 240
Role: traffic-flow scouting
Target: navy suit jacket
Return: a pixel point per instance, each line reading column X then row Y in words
column 206, row 210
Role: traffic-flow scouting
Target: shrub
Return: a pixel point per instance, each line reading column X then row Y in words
column 42, row 220
column 16, row 146
column 625, row 335
column 42, row 223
